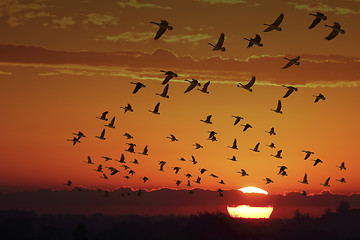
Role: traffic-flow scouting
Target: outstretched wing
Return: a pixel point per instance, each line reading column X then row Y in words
column 156, row 109
column 206, row 85
column 268, row 29
column 166, row 89
column 279, row 107
column 251, row 83
column 250, row 44
column 257, row 38
column 237, row 121
column 289, row 91
column 333, row 34
column 315, row 22
column 167, row 79
column 278, row 20
column 191, row 87
column 136, row 89
column 287, row 65
column 159, row 33
column 221, row 40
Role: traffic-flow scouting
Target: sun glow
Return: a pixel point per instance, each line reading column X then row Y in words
column 253, row 190
column 246, row 211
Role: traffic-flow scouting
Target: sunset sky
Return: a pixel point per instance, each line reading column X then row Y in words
column 63, row 63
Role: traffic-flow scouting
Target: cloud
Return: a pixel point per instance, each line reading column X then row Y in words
column 63, row 22
column 5, row 73
column 136, row 4
column 100, row 19
column 130, row 37
column 186, row 38
column 318, row 6
column 212, row 2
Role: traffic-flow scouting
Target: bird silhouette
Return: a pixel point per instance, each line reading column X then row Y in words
column 243, row 173
column 163, row 26
column 272, row 131
column 237, row 119
column 232, row 159
column 74, row 140
column 193, row 160
column 342, row 180
column 79, row 134
column 282, row 168
column 256, row 40
column 275, row 25
column 212, row 134
column 207, row 120
column 188, row 183
column 173, row 138
column 221, row 194
column 169, row 76
column 202, row 170
column 342, row 166
column 326, row 183
column 234, row 146
column 221, row 182
column 122, row 159
column 135, row 161
column 318, row 17
column 213, row 175
column 145, row 179
column 177, row 182
column 305, row 180
column 188, row 175
column 205, row 88
column 99, row 168
column 103, row 116
column 102, row 135
column 303, row 193
column 219, row 44
column 156, row 109
column 193, row 84
column 268, row 180
column 182, row 159
column 256, row 148
column 283, row 173
column 308, row 154
column 246, row 127
column 292, row 62
column 248, row 85
column 278, row 154
column 336, row 29
column 278, row 108
column 138, row 86
column 290, row 90
column 162, row 163
column 145, row 151
column 319, row 97
column 111, row 124
column 128, row 136
column 176, row 169
column 197, row 145
column 131, row 172
column 272, row 145
column 131, row 148
column 317, row 161
column 125, row 167
column 213, row 138
column 68, row 183
column 198, row 180
column 113, row 171
column 128, row 107
column 89, row 160
column 106, row 158
column 164, row 92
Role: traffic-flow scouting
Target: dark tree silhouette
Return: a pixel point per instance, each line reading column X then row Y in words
column 80, row 232
column 343, row 207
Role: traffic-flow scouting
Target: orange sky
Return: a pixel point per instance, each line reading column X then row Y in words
column 61, row 67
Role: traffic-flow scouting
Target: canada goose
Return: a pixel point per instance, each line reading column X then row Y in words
column 193, row 160
column 282, row 168
column 135, row 161
column 336, row 29
column 103, row 116
column 317, row 161
column 213, row 175
column 145, row 179
column 188, row 175
column 213, row 138
column 122, row 159
column 193, row 84
column 256, row 40
column 79, row 134
column 319, row 97
column 303, row 193
column 131, row 172
column 198, row 180
column 219, row 44
column 248, row 85
column 111, row 124
column 232, row 159
column 326, row 183
column 177, row 169
column 304, row 181
column 68, row 183
column 138, row 85
column 145, row 151
column 308, row 154
column 173, row 138
column 102, row 135
column 278, row 108
column 125, row 167
column 278, row 154
column 162, row 163
column 283, row 173
column 127, row 108
column 126, row 177
column 169, row 76
column 272, row 145
column 318, row 17
column 246, row 126
column 268, row 180
column 177, row 182
column 188, row 183
column 275, row 25
column 128, row 136
column 163, row 26
column 74, row 140
column 272, row 131
column 256, row 148
column 212, row 134
column 342, row 166
column 197, row 145
column 205, row 87
column 131, row 149
column 207, row 120
column 89, row 160
column 182, row 159
column 156, row 109
column 234, row 146
column 113, row 171
column 202, row 170
column 221, row 182
column 342, row 180
column 290, row 90
column 106, row 158
column 292, row 62
column 164, row 92
column 243, row 173
column 99, row 168
column 237, row 119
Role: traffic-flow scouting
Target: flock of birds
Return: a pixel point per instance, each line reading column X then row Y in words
column 130, row 171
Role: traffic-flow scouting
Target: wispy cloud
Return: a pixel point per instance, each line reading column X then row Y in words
column 63, row 22
column 212, row 2
column 100, row 19
column 136, row 4
column 5, row 73
column 129, row 37
column 318, row 6
column 186, row 38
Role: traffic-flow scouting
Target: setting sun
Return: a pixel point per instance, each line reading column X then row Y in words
column 253, row 190
column 246, row 211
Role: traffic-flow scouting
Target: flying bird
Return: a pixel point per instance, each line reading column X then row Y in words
column 99, row 168
column 292, row 62
column 138, row 85
column 282, row 168
column 74, row 140
column 278, row 108
column 248, row 85
column 326, row 183
column 213, row 138
column 164, row 92
column 319, row 97
column 336, row 29
column 145, row 179
column 342, row 166
column 317, row 161
column 193, row 160
column 131, row 172
column 182, row 159
column 342, row 180
column 205, row 87
column 318, row 17
column 176, row 169
column 177, row 182
column 135, row 161
column 173, row 138
column 68, row 183
column 232, row 159
column 202, row 170
column 89, row 160
column 234, row 146
column 221, row 182
column 122, row 158
column 197, row 145
column 290, row 90
column 213, row 175
column 272, row 145
column 207, row 120
column 268, row 180
column 303, row 193
column 156, row 109
column 193, row 84
column 256, row 148
column 243, row 173
column 198, row 180
column 237, row 119
column 308, row 154
column 212, row 134
column 272, row 131
column 162, row 163
column 188, row 175
column 111, row 124
column 131, row 148
column 283, row 173
column 304, row 181
column 246, row 126
column 163, row 26
column 106, row 158
column 145, row 151
column 103, row 116
column 275, row 25
column 127, row 108
column 219, row 44
column 256, row 40
column 278, row 154
column 128, row 136
column 102, row 135
column 169, row 76
column 79, row 134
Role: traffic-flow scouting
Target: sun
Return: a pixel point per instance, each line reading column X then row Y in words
column 253, row 190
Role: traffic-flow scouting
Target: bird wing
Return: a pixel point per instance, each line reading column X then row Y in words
column 315, row 22
column 251, row 83
column 278, row 20
column 327, row 181
column 296, row 59
column 160, row 32
column 221, row 40
column 237, row 121
column 206, row 85
column 257, row 38
column 191, row 87
column 103, row 115
column 250, row 44
column 167, row 79
column 208, row 118
column 156, row 109
column 268, row 29
column 102, row 133
column 136, row 89
column 289, row 91
column 287, row 65
column 305, row 178
column 234, row 143
column 166, row 89
column 112, row 121
column 333, row 34
column 278, row 106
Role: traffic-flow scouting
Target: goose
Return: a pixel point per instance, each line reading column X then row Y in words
column 275, row 25
column 188, row 175
column 193, row 84
column 126, row 177
column 122, row 159
column 188, row 183
column 99, row 168
column 268, row 180
column 212, row 134
column 162, row 163
column 326, row 183
column 243, row 173
column 282, row 168
column 272, row 145
column 138, row 85
column 74, row 140
column 197, row 145
column 182, row 159
column 319, row 97
column 111, row 124
column 342, row 166
column 130, row 149
column 176, row 169
column 145, row 179
column 68, row 183
column 256, row 148
column 232, row 159
column 278, row 108
column 256, row 40
column 221, row 182
column 125, row 167
column 102, row 135
column 213, row 175
column 278, row 154
column 283, row 173
column 193, row 160
column 169, row 76
column 342, row 180
column 205, row 87
column 248, row 85
column 234, row 146
column 308, row 154
column 198, row 180
column 135, row 161
column 303, row 193
column 304, row 181
column 207, row 120
column 290, row 90
column 156, row 109
column 131, row 172
column 89, row 160
column 177, row 182
column 213, row 138
column 220, row 193
column 318, row 17
column 173, row 138
column 127, row 108
column 237, row 119
column 145, row 151
column 128, row 136
column 336, row 29
column 163, row 26
column 317, row 161
column 106, row 158
column 246, row 126
column 219, row 44
column 79, row 134
column 164, row 92
column 114, row 171
column 103, row 116
column 272, row 131
column 202, row 170
column 292, row 62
